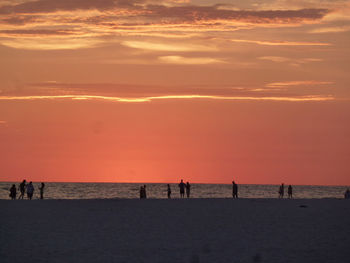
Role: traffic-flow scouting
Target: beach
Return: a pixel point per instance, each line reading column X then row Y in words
column 177, row 230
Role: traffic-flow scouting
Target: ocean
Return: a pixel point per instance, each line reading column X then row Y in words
column 159, row 191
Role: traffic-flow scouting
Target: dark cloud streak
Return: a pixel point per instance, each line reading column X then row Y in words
column 164, row 14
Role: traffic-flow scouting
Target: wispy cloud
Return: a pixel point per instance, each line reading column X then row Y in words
column 280, row 43
column 169, row 97
column 334, row 29
column 176, row 47
column 290, row 61
column 189, row 60
column 297, row 83
column 51, row 43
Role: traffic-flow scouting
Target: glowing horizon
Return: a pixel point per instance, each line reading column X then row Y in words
column 144, row 90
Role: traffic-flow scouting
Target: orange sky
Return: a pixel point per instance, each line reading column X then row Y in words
column 156, row 91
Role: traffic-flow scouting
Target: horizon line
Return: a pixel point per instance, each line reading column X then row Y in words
column 101, row 182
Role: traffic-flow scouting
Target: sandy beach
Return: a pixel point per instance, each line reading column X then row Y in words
column 195, row 230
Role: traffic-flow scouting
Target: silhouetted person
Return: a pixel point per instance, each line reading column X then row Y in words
column 30, row 191
column 13, row 192
column 347, row 194
column 41, row 188
column 22, row 189
column 290, row 191
column 188, row 189
column 169, row 191
column 234, row 190
column 281, row 191
column 182, row 186
column 144, row 191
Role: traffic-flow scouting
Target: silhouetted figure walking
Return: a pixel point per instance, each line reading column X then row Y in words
column 13, row 192
column 281, row 191
column 290, row 191
column 169, row 191
column 41, row 188
column 188, row 189
column 22, row 189
column 347, row 194
column 182, row 186
column 234, row 190
column 30, row 190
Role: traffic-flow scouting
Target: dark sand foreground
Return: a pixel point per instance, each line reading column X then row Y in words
column 195, row 230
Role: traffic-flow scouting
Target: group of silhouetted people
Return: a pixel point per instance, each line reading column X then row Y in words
column 281, row 191
column 26, row 188
column 185, row 187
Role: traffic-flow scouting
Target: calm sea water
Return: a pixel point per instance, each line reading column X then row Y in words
column 131, row 190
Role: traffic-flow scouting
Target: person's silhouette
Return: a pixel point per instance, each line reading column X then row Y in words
column 290, row 191
column 169, row 191
column 347, row 194
column 22, row 188
column 281, row 191
column 182, row 186
column 144, row 191
column 141, row 192
column 13, row 192
column 188, row 189
column 41, row 188
column 234, row 190
column 30, row 190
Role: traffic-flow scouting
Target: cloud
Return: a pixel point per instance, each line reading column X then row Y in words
column 297, row 83
column 334, row 29
column 51, row 43
column 291, row 61
column 176, row 47
column 125, row 19
column 280, row 43
column 189, row 60
column 47, row 6
column 37, row 32
column 140, row 12
column 142, row 93
column 169, row 97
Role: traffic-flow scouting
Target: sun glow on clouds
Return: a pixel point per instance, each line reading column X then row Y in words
column 51, row 43
column 145, row 45
column 169, row 97
column 297, row 83
column 189, row 61
column 280, row 43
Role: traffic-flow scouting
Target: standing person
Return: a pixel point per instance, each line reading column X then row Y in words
column 144, row 191
column 290, row 191
column 188, row 189
column 182, row 186
column 13, row 192
column 169, row 191
column 41, row 188
column 234, row 190
column 30, row 190
column 141, row 192
column 281, row 191
column 22, row 188
column 347, row 194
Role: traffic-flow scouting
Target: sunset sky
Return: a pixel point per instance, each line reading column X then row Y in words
column 155, row 91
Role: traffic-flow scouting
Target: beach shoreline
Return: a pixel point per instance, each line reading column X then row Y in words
column 177, row 230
